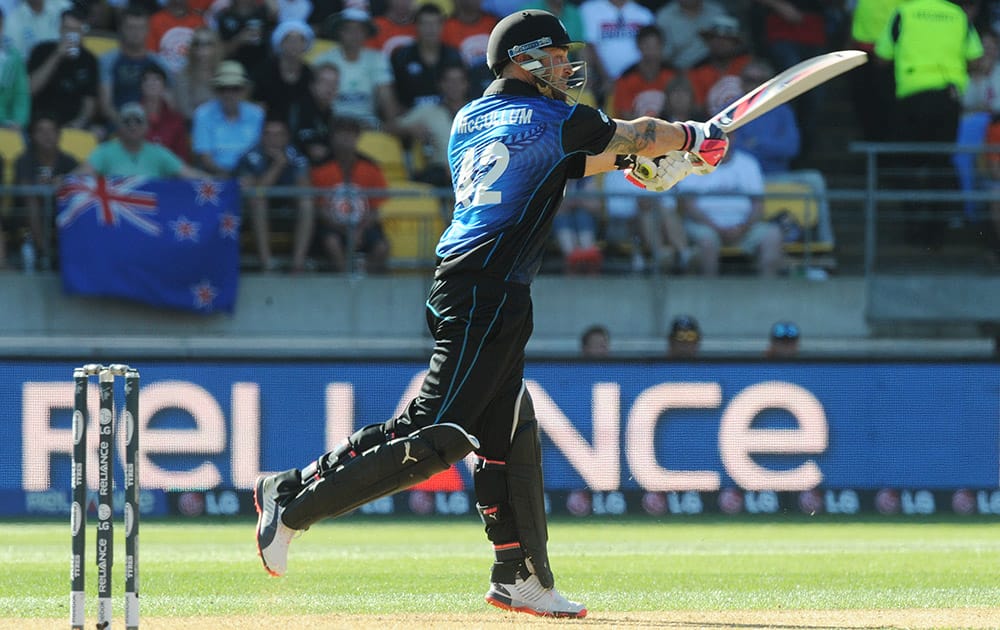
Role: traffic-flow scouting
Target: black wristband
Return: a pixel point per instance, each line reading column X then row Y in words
column 623, row 162
column 689, row 137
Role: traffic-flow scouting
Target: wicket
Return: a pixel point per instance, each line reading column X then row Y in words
column 105, row 482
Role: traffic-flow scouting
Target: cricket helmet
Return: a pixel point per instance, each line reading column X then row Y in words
column 528, row 32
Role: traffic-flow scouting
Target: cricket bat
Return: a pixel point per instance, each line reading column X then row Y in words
column 780, row 89
column 786, row 85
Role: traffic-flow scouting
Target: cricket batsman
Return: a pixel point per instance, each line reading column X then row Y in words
column 511, row 153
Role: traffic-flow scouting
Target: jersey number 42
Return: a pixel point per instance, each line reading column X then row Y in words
column 476, row 176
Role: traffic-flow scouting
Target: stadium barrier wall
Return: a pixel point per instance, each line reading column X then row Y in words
column 619, row 436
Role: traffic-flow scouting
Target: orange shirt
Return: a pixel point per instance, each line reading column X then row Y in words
column 636, row 96
column 341, row 202
column 170, row 35
column 469, row 39
column 391, row 35
column 703, row 77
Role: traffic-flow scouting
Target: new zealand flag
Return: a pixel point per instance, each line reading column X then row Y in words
column 172, row 243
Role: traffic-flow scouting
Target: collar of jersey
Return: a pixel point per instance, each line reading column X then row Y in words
column 511, row 87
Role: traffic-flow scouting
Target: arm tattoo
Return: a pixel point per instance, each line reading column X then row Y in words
column 633, row 138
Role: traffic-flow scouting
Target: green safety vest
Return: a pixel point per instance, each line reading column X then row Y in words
column 870, row 17
column 931, row 42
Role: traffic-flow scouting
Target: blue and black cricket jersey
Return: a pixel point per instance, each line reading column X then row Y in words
column 511, row 152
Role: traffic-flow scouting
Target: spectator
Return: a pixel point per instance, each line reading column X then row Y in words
column 313, row 134
column 323, row 11
column 681, row 22
column 645, row 222
column 15, row 98
column 63, row 75
column 980, row 104
column 795, row 30
column 292, row 10
column 678, row 103
column 348, row 216
column 42, row 164
column 170, row 32
column 193, row 84
column 366, row 91
column 773, row 139
column 467, row 30
column 227, row 126
column 418, row 67
column 244, row 28
column 131, row 154
column 991, row 231
column 684, row 338
column 283, row 83
column 275, row 162
column 931, row 42
column 726, row 56
column 122, row 69
column 610, row 28
column 394, row 28
column 429, row 124
column 595, row 342
column 567, row 12
column 724, row 208
column 872, row 85
column 783, row 342
column 35, row 21
column 983, row 93
column 648, row 221
column 165, row 125
column 641, row 89
column 575, row 228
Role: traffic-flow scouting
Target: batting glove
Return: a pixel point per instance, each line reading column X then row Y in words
column 707, row 143
column 660, row 173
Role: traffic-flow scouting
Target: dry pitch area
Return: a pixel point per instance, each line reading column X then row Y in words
column 713, row 620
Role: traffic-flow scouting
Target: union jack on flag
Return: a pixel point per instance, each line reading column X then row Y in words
column 114, row 200
column 135, row 238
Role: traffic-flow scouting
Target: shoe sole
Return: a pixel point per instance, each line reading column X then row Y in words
column 260, row 512
column 531, row 611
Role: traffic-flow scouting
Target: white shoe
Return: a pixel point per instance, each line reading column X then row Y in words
column 529, row 596
column 273, row 536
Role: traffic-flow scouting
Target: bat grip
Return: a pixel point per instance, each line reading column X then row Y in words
column 643, row 171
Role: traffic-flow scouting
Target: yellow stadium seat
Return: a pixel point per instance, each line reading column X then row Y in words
column 412, row 223
column 795, row 198
column 319, row 47
column 798, row 200
column 99, row 44
column 387, row 151
column 11, row 146
column 77, row 142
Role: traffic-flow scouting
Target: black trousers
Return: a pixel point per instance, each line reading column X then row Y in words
column 480, row 327
column 929, row 116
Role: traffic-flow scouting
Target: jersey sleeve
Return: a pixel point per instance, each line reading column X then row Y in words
column 588, row 130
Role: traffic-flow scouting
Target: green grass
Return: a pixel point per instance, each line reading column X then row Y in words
column 442, row 566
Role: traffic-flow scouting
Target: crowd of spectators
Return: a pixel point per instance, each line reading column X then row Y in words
column 684, row 337
column 276, row 92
